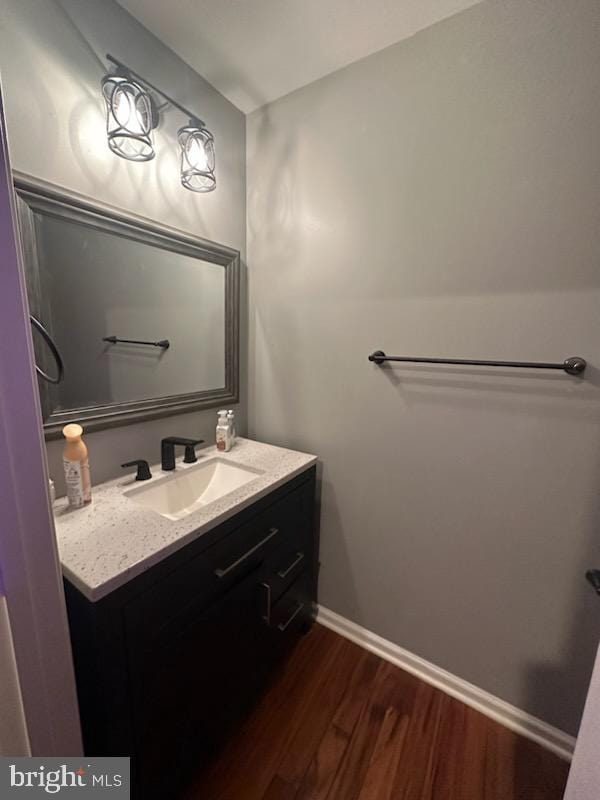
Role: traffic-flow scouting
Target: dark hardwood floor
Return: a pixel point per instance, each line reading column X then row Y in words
column 339, row 723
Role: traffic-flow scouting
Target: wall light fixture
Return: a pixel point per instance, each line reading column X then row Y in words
column 131, row 116
column 197, row 157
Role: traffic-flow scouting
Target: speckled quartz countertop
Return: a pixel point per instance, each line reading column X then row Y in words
column 105, row 544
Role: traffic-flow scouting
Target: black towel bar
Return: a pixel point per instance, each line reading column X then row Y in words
column 164, row 343
column 574, row 365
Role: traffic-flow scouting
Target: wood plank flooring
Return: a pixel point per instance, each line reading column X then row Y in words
column 338, row 723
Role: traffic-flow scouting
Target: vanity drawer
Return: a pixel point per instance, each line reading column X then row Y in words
column 294, row 610
column 243, row 550
column 283, row 524
column 285, row 567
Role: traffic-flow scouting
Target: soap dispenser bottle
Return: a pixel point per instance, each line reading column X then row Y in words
column 223, row 432
column 77, row 467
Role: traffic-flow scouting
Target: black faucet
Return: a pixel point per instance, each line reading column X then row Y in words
column 167, row 451
column 143, row 469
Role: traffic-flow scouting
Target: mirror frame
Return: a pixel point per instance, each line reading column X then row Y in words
column 37, row 196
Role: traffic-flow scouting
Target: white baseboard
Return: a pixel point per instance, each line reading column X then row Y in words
column 499, row 710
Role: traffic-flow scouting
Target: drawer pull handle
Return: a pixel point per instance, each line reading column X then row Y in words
column 283, row 625
column 221, row 573
column 283, row 573
column 267, row 615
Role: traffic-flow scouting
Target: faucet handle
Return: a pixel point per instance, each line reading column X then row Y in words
column 167, row 450
column 143, row 469
column 190, row 456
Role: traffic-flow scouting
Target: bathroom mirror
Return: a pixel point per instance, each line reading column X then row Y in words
column 96, row 276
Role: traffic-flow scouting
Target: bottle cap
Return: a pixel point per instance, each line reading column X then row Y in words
column 72, row 431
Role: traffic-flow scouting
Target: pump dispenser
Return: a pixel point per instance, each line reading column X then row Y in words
column 223, row 434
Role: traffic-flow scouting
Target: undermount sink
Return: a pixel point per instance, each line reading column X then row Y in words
column 186, row 490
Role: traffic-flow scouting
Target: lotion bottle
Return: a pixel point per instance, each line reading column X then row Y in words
column 77, row 467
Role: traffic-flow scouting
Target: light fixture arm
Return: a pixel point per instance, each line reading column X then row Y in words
column 121, row 65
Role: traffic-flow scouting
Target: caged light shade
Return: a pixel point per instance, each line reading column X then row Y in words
column 197, row 157
column 130, row 118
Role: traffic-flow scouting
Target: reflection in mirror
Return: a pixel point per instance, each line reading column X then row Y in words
column 98, row 285
column 94, row 276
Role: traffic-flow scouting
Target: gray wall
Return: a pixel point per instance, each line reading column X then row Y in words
column 52, row 61
column 442, row 197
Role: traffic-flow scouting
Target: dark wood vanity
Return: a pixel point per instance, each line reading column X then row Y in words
column 169, row 662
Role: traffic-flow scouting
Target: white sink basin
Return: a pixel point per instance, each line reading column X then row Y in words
column 188, row 489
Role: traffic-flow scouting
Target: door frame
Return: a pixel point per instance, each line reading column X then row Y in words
column 30, row 576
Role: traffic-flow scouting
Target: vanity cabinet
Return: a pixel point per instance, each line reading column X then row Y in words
column 168, row 663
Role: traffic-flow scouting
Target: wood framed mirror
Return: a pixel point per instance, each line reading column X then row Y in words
column 145, row 317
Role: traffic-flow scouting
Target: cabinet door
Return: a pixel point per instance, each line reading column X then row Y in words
column 200, row 679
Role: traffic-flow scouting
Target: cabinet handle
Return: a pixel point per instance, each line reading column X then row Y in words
column 267, row 616
column 283, row 573
column 283, row 625
column 221, row 573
